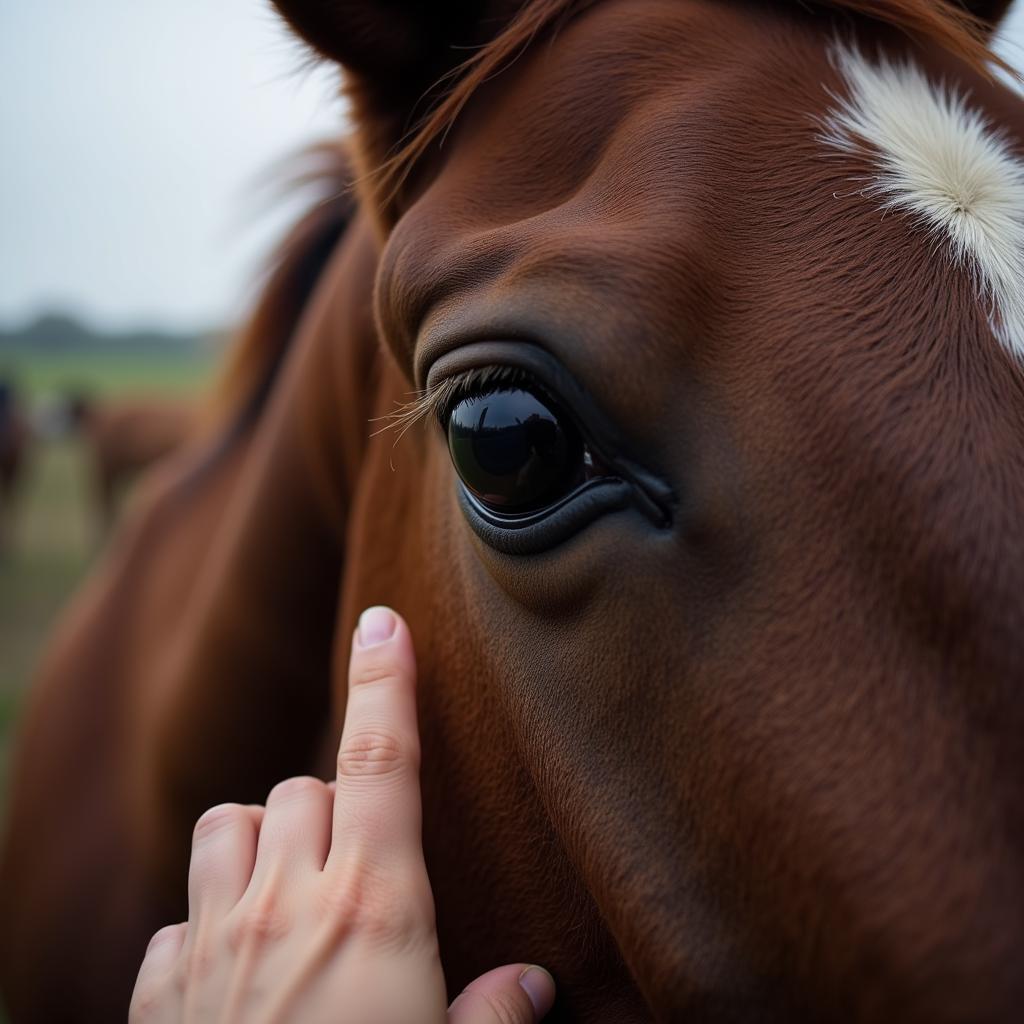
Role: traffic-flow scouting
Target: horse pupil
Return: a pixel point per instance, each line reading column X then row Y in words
column 514, row 451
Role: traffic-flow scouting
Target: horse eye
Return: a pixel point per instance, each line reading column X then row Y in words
column 516, row 452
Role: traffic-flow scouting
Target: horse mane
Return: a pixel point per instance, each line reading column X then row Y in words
column 942, row 22
column 291, row 275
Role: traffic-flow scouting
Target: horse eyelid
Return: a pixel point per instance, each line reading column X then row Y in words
column 479, row 381
column 438, row 402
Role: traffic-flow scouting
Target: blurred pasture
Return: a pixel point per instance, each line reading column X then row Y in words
column 56, row 532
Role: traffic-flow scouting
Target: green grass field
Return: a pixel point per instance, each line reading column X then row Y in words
column 55, row 535
column 108, row 373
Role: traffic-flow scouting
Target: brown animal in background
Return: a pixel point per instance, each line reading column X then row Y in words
column 125, row 436
column 716, row 585
column 14, row 440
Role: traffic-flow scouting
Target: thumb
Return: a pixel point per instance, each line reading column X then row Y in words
column 516, row 994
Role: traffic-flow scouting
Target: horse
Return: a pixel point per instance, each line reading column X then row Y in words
column 14, row 441
column 124, row 436
column 699, row 325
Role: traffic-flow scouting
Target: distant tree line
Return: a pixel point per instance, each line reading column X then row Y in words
column 61, row 332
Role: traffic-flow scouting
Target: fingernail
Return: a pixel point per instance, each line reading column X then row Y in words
column 376, row 625
column 540, row 987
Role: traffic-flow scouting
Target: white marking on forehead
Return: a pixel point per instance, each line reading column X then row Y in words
column 940, row 160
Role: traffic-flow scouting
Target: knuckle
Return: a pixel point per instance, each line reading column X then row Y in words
column 379, row 910
column 197, row 964
column 395, row 926
column 499, row 1007
column 372, row 671
column 389, row 914
column 217, row 819
column 339, row 902
column 147, row 1000
column 257, row 926
column 370, row 754
column 299, row 786
column 385, row 918
column 165, row 934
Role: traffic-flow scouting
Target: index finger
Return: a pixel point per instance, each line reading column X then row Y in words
column 377, row 799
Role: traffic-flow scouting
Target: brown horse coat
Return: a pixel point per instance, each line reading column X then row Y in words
column 756, row 757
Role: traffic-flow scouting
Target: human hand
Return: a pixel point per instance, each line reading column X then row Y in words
column 318, row 907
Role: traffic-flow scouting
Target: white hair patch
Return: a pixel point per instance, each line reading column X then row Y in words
column 943, row 162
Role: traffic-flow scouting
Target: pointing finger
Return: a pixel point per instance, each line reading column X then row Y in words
column 377, row 811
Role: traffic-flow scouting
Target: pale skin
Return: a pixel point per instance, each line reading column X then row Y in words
column 317, row 907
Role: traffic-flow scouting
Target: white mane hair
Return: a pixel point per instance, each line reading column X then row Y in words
column 941, row 161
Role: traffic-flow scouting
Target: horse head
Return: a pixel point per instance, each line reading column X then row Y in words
column 700, row 327
column 710, row 534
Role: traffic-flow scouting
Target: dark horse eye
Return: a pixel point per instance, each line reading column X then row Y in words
column 516, row 453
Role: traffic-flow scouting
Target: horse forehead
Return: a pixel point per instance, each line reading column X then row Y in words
column 564, row 169
column 637, row 78
column 937, row 157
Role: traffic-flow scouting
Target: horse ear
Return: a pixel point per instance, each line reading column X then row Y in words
column 989, row 12
column 393, row 52
column 394, row 44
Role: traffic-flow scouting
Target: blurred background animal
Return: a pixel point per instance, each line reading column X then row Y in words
column 125, row 436
column 14, row 442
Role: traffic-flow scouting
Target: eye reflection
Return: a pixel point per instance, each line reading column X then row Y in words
column 515, row 451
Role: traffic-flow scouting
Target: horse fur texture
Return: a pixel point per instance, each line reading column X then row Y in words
column 756, row 759
column 938, row 159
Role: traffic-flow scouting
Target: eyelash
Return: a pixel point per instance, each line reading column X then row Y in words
column 475, row 383
column 440, row 402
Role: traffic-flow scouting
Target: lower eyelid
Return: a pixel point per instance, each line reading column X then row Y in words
column 573, row 514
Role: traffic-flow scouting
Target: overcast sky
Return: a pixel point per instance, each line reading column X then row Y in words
column 132, row 134
column 132, row 131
